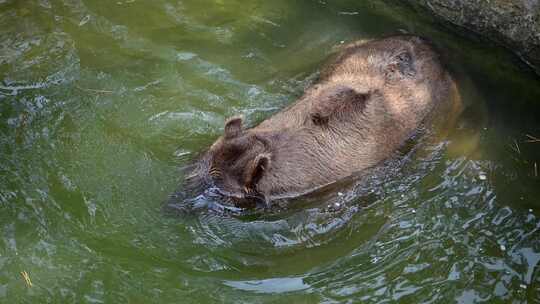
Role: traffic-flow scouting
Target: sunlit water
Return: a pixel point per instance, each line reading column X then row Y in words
column 103, row 102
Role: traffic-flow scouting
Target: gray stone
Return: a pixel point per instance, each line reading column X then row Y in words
column 513, row 23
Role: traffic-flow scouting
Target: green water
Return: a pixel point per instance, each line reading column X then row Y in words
column 102, row 103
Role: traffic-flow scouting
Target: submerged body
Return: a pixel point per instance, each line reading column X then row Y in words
column 367, row 102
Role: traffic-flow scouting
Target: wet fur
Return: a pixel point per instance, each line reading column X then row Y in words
column 368, row 101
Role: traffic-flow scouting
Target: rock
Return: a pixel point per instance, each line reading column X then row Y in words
column 513, row 23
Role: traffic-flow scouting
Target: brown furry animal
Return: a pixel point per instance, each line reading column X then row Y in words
column 368, row 101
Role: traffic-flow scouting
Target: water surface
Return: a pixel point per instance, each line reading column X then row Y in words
column 102, row 103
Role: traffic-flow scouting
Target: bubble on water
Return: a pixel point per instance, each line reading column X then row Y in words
column 272, row 286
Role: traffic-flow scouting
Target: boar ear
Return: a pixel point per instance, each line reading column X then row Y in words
column 255, row 170
column 338, row 100
column 233, row 126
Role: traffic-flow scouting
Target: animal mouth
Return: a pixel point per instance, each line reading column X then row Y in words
column 245, row 199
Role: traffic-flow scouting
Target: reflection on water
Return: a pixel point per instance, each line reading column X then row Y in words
column 270, row 285
column 101, row 103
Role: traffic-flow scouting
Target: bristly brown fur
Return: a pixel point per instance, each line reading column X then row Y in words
column 368, row 101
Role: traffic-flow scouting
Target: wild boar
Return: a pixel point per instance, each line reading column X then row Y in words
column 367, row 102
